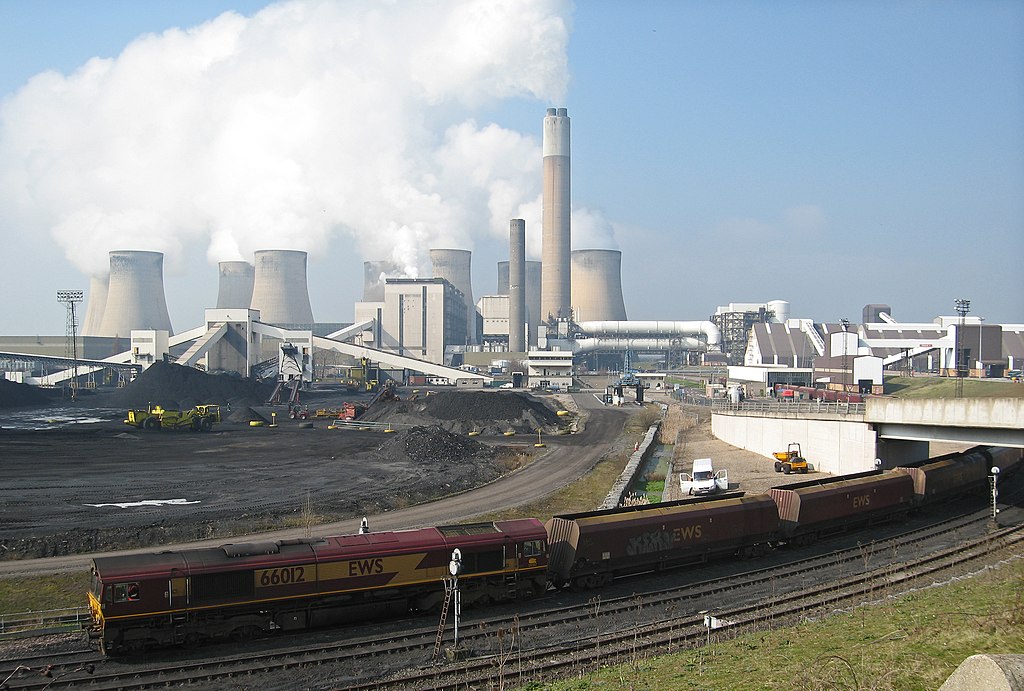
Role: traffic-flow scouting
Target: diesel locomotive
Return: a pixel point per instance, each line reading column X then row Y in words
column 253, row 589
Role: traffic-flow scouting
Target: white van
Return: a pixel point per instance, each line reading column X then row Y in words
column 704, row 479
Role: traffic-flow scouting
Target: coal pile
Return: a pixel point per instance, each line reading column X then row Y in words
column 173, row 385
column 489, row 413
column 435, row 445
column 14, row 395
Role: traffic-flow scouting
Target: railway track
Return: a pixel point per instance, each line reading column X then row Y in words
column 560, row 637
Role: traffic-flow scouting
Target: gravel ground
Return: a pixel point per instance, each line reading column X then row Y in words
column 72, row 486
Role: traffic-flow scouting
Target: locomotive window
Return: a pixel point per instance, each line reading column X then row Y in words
column 126, row 592
column 533, row 548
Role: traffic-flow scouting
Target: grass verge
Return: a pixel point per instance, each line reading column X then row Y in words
column 22, row 594
column 911, row 642
column 945, row 387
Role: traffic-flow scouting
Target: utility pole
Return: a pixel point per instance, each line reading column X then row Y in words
column 70, row 298
column 963, row 306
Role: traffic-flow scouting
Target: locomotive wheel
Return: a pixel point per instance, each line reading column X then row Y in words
column 151, row 423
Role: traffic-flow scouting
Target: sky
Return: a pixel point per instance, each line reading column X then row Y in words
column 829, row 154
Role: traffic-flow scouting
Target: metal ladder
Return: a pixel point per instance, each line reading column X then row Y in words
column 449, row 590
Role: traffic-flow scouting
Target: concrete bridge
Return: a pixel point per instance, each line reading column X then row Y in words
column 845, row 438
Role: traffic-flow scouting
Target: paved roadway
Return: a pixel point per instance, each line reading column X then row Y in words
column 562, row 464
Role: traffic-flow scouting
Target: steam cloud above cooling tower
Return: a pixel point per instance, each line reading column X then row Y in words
column 285, row 129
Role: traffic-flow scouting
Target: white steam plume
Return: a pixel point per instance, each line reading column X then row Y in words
column 306, row 122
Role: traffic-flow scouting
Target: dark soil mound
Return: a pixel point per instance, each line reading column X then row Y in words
column 435, row 445
column 466, row 411
column 183, row 387
column 13, row 395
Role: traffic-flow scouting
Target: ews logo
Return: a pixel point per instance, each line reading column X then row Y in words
column 862, row 502
column 690, row 532
column 365, row 567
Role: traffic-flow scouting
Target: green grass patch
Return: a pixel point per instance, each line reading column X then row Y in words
column 32, row 594
column 945, row 387
column 909, row 643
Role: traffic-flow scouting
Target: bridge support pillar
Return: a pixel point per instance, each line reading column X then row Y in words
column 894, row 452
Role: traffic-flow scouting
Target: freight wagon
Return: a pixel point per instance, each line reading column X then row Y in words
column 248, row 590
column 815, row 508
column 957, row 474
column 588, row 549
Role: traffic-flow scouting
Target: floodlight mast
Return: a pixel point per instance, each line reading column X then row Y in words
column 963, row 306
column 71, row 298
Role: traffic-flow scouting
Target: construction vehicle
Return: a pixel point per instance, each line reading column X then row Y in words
column 790, row 460
column 200, row 418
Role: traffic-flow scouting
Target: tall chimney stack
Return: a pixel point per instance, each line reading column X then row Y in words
column 556, row 231
column 135, row 294
column 280, row 291
column 517, row 286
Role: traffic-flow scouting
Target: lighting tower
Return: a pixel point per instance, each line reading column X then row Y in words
column 846, row 325
column 70, row 298
column 963, row 306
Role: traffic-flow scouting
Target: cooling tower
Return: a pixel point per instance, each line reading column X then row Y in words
column 597, row 285
column 135, row 294
column 279, row 288
column 94, row 308
column 235, row 287
column 454, row 266
column 533, row 271
column 555, row 293
column 375, row 274
column 517, row 286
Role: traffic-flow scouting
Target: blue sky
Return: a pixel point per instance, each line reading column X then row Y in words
column 829, row 154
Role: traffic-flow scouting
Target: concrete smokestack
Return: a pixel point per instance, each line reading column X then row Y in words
column 517, row 286
column 555, row 292
column 375, row 274
column 280, row 291
column 533, row 272
column 135, row 294
column 97, row 302
column 597, row 285
column 455, row 267
column 235, row 286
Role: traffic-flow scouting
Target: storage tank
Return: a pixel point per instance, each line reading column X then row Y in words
column 455, row 267
column 375, row 275
column 556, row 240
column 280, row 291
column 135, row 294
column 597, row 285
column 94, row 307
column 235, row 285
column 781, row 310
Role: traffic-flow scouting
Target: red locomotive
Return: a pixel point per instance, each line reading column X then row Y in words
column 248, row 590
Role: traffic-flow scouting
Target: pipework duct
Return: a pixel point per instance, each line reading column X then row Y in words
column 660, row 329
column 588, row 345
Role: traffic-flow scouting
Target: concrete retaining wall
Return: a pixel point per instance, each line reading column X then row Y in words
column 831, row 446
column 632, row 469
